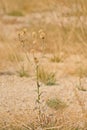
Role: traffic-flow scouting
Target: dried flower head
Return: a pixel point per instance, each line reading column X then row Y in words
column 40, row 31
column 36, row 60
column 42, row 34
column 20, row 33
column 34, row 35
column 24, row 30
column 20, row 36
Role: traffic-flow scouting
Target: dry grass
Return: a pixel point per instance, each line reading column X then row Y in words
column 56, row 104
column 48, row 78
column 65, row 52
column 42, row 5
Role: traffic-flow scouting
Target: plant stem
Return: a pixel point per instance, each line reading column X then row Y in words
column 38, row 90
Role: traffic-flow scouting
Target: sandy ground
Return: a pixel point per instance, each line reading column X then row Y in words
column 18, row 97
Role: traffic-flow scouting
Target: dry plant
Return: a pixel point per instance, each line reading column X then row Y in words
column 71, row 35
column 22, row 38
column 48, row 78
column 56, row 104
column 80, row 103
column 43, row 119
column 81, row 75
column 16, row 13
column 56, row 58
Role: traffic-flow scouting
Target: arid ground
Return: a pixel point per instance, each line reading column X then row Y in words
column 53, row 36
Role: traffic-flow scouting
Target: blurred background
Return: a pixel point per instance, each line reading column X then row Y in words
column 63, row 21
